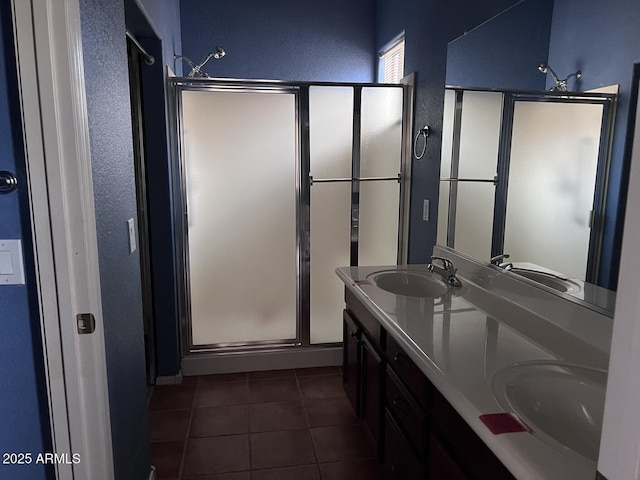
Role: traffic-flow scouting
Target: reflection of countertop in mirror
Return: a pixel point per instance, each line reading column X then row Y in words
column 599, row 297
column 462, row 339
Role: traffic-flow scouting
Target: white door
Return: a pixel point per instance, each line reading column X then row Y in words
column 54, row 121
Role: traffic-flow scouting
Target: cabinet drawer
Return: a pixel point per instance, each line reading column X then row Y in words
column 409, row 415
column 365, row 320
column 408, row 373
column 399, row 461
column 461, row 443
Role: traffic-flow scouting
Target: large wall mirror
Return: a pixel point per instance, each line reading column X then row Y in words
column 537, row 110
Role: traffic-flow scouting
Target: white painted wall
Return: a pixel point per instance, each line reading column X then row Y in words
column 620, row 445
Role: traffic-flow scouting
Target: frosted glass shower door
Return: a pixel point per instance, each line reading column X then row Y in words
column 552, row 178
column 380, row 157
column 331, row 134
column 468, row 165
column 239, row 156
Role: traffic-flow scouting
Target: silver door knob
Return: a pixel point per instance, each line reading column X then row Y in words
column 8, row 182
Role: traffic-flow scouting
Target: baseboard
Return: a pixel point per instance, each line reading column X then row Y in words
column 169, row 379
column 212, row 363
column 152, row 473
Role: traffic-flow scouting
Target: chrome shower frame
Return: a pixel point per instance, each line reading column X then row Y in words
column 267, row 350
column 608, row 101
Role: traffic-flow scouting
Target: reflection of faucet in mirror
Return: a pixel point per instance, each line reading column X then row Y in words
column 447, row 271
column 497, row 261
column 561, row 83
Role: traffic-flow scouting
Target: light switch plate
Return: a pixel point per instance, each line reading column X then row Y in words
column 425, row 210
column 132, row 236
column 11, row 262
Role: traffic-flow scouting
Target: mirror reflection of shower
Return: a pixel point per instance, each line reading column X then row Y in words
column 561, row 84
column 196, row 69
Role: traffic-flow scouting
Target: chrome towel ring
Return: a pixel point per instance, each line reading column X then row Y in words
column 424, row 131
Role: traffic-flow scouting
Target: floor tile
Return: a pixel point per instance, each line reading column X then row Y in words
column 354, row 470
column 167, row 458
column 304, row 472
column 172, row 397
column 315, row 371
column 218, row 394
column 281, row 449
column 213, row 455
column 225, row 420
column 275, row 390
column 191, row 380
column 326, row 386
column 345, row 442
column 224, row 476
column 168, row 424
column 268, row 374
column 323, row 412
column 269, row 417
column 222, row 378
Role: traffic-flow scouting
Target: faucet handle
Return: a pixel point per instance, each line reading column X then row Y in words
column 498, row 258
column 446, row 263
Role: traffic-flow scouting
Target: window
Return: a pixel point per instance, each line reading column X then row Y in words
column 391, row 64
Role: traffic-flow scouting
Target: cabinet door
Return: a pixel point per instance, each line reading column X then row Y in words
column 371, row 390
column 441, row 465
column 350, row 360
column 399, row 461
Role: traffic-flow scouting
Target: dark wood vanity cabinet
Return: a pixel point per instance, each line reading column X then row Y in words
column 363, row 367
column 419, row 435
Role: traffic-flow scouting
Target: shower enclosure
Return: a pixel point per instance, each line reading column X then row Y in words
column 525, row 173
column 277, row 184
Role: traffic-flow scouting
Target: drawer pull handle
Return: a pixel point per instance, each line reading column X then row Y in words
column 398, row 471
column 401, row 404
column 401, row 359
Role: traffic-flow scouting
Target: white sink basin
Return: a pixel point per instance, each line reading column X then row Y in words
column 409, row 283
column 557, row 283
column 563, row 404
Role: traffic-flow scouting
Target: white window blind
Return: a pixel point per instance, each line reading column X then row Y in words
column 392, row 62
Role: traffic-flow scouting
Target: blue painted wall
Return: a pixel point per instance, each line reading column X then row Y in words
column 109, row 112
column 24, row 416
column 429, row 27
column 303, row 40
column 156, row 24
column 505, row 52
column 603, row 40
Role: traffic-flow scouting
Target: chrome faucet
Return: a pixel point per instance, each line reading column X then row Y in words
column 497, row 261
column 447, row 271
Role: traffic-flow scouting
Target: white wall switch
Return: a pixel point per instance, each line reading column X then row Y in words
column 425, row 210
column 132, row 235
column 11, row 263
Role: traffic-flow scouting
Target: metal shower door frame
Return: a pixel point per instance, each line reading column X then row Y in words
column 608, row 102
column 302, row 199
column 501, row 180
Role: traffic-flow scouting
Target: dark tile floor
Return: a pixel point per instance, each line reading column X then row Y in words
column 276, row 425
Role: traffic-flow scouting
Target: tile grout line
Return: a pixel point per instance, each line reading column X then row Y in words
column 306, row 416
column 186, row 440
column 250, row 430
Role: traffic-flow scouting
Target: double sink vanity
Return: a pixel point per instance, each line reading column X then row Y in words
column 494, row 377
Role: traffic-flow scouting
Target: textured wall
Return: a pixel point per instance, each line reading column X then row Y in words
column 156, row 24
column 429, row 26
column 505, row 52
column 302, row 40
column 106, row 75
column 603, row 40
column 24, row 417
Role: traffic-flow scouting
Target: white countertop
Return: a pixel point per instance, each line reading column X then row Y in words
column 459, row 346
